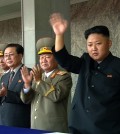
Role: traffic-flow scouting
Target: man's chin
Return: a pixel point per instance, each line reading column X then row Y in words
column 9, row 65
column 45, row 68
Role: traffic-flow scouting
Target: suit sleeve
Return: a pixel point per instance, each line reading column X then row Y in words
column 69, row 62
column 13, row 97
column 27, row 97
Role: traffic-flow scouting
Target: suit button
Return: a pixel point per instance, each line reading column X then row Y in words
column 87, row 111
column 2, row 104
column 92, row 86
column 35, row 109
column 89, row 97
column 98, row 67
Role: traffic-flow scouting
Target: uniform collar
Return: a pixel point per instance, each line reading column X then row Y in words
column 105, row 62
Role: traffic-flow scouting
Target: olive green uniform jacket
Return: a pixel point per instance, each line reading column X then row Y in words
column 49, row 99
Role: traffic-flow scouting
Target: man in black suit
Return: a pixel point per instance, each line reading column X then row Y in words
column 13, row 112
column 96, row 103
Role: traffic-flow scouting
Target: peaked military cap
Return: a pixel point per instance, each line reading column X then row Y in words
column 2, row 47
column 44, row 45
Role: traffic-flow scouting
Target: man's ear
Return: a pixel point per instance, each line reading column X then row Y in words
column 110, row 43
column 21, row 56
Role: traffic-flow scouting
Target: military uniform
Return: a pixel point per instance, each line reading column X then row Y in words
column 2, row 47
column 49, row 98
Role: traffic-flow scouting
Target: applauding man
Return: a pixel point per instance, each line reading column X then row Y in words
column 50, row 90
column 13, row 112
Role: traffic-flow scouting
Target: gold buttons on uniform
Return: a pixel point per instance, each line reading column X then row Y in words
column 35, row 117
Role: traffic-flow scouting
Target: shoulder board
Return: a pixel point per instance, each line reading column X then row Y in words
column 61, row 72
column 54, row 74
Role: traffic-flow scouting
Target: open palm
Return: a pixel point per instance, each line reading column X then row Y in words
column 58, row 23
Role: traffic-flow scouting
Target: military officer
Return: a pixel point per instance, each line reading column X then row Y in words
column 3, row 67
column 49, row 92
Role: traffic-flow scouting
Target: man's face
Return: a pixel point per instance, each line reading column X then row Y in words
column 3, row 64
column 47, row 62
column 11, row 57
column 98, row 46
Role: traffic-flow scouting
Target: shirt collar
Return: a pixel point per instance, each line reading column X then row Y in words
column 17, row 68
column 6, row 71
column 49, row 73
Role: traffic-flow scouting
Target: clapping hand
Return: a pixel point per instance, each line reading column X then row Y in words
column 37, row 73
column 3, row 91
column 26, row 76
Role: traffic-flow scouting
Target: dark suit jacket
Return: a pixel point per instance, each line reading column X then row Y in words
column 13, row 112
column 96, row 104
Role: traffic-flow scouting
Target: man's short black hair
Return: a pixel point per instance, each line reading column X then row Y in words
column 97, row 29
column 19, row 48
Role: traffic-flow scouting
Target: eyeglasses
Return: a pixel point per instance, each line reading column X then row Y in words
column 9, row 55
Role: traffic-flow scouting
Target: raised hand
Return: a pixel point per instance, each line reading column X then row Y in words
column 58, row 23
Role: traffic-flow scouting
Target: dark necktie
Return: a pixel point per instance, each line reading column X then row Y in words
column 11, row 77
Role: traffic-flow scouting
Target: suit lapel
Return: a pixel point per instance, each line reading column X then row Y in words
column 17, row 79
